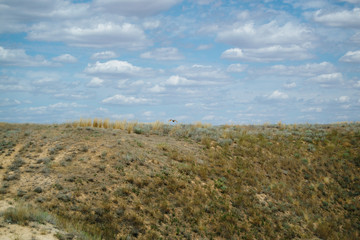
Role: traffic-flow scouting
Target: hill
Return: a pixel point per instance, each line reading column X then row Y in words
column 101, row 180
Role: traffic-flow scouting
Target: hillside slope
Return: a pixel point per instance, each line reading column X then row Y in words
column 187, row 181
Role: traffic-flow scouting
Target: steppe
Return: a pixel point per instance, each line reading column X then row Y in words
column 96, row 179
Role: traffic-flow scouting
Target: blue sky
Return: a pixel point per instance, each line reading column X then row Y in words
column 215, row 61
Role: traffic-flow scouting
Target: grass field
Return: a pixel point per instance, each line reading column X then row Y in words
column 97, row 179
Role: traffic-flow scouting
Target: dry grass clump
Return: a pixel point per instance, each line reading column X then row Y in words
column 85, row 122
column 156, row 126
column 119, row 124
column 24, row 213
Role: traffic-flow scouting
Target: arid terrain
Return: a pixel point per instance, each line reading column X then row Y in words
column 124, row 180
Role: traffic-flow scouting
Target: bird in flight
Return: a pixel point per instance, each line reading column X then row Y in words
column 172, row 120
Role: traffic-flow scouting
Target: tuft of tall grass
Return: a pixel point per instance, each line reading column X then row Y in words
column 119, row 124
column 106, row 123
column 130, row 126
column 24, row 213
column 156, row 126
column 85, row 122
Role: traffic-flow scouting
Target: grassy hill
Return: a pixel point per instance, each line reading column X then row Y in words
column 102, row 180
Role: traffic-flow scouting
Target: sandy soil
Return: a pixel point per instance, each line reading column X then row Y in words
column 34, row 231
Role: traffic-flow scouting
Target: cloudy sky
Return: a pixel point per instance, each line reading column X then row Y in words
column 215, row 61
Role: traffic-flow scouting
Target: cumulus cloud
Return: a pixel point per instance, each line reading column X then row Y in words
column 164, row 54
column 351, row 56
column 266, row 54
column 91, row 33
column 201, row 72
column 236, row 67
column 290, row 85
column 179, row 81
column 125, row 100
column 305, row 70
column 157, row 89
column 343, row 18
column 96, row 82
column 249, row 35
column 277, row 95
column 104, row 55
column 151, row 24
column 267, row 42
column 18, row 57
column 343, row 99
column 114, row 67
column 19, row 14
column 135, row 8
column 327, row 80
column 65, row 58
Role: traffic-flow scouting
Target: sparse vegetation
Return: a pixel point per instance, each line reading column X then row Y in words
column 150, row 181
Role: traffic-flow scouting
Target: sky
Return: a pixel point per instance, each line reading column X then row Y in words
column 214, row 61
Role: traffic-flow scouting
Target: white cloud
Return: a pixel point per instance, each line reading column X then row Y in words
column 7, row 102
column 236, row 67
column 266, row 54
column 306, row 70
column 164, row 54
column 208, row 117
column 151, row 24
column 114, row 67
column 96, row 82
column 249, row 35
column 125, row 100
column 351, row 1
column 290, row 85
column 55, row 107
column 140, row 8
column 157, row 89
column 267, row 42
column 65, row 58
column 204, row 47
column 343, row 18
column 356, row 38
column 91, row 33
column 123, row 116
column 351, row 56
column 66, row 105
column 203, row 2
column 46, row 80
column 201, row 72
column 179, row 81
column 20, row 14
column 328, row 79
column 277, row 95
column 357, row 84
column 343, row 99
column 77, row 96
column 148, row 113
column 312, row 109
column 18, row 57
column 104, row 55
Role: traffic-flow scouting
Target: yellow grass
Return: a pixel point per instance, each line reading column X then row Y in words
column 106, row 123
column 157, row 125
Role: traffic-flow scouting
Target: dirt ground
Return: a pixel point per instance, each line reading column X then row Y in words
column 34, row 231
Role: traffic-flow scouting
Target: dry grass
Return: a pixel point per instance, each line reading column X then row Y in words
column 152, row 181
